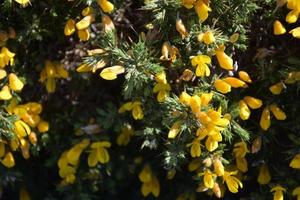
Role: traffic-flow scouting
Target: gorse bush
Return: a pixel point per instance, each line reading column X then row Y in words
column 154, row 99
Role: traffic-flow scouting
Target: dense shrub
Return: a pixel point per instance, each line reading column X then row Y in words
column 166, row 99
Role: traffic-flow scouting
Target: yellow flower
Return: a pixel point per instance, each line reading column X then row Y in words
column 234, row 82
column 265, row 119
column 242, row 164
column 8, row 160
column 99, row 153
column 84, row 34
column 146, row 174
column 222, row 86
column 85, row 22
column 24, row 195
column 163, row 91
column 278, row 195
column 218, row 167
column 208, row 179
column 276, row 88
column 124, row 138
column 2, row 74
column 43, row 126
column 195, row 149
column 87, row 11
column 206, row 98
column 6, row 57
column 278, row 28
column 21, row 128
column 23, row 2
column 277, row 112
column 292, row 16
column 252, row 102
column 181, row 28
column 296, row 192
column 5, row 93
column 184, row 98
column 264, row 176
column 201, row 62
column 244, row 76
column 174, row 130
column 110, row 73
column 106, row 6
column 14, row 82
column 137, row 111
column 150, row 182
column 202, row 10
column 224, row 60
column 208, row 37
column 232, row 182
column 295, row 32
column 293, row 5
column 69, row 27
column 188, row 3
column 244, row 112
column 240, row 149
column 74, row 153
column 295, row 163
column 195, row 103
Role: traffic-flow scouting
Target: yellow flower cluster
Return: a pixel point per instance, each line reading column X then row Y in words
column 150, row 182
column 292, row 17
column 28, row 118
column 240, row 150
column 135, row 107
column 50, row 73
column 69, row 161
column 82, row 25
column 201, row 7
column 162, row 88
column 98, row 153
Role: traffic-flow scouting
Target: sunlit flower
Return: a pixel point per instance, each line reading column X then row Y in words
column 278, row 192
column 201, row 62
column 278, row 28
column 232, row 182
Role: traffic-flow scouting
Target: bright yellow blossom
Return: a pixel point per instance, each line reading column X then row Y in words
column 265, row 119
column 252, row 102
column 244, row 76
column 278, row 28
column 8, row 160
column 14, row 82
column 222, row 86
column 276, row 88
column 106, row 6
column 69, row 27
column 232, row 182
column 278, row 192
column 201, row 63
